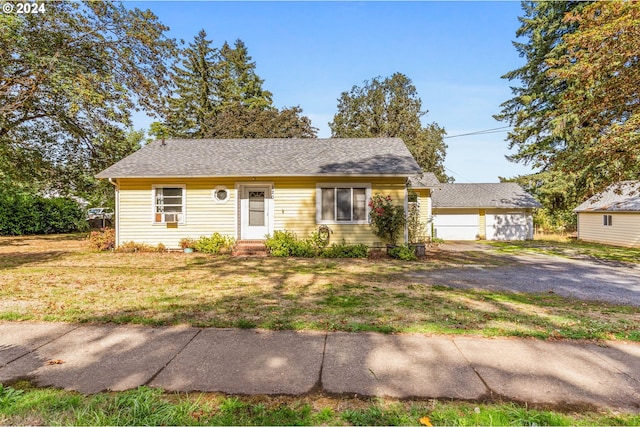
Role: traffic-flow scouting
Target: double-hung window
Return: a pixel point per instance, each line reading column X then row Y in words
column 342, row 203
column 168, row 204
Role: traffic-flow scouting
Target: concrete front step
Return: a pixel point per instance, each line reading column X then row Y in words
column 250, row 248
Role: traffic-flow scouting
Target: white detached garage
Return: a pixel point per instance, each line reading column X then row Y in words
column 496, row 211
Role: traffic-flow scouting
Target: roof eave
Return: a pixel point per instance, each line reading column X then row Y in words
column 603, row 210
column 486, row 207
column 365, row 175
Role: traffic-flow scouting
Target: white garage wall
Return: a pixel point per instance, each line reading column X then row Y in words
column 501, row 224
column 509, row 225
column 456, row 224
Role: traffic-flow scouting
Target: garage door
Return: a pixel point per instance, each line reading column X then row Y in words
column 509, row 226
column 456, row 226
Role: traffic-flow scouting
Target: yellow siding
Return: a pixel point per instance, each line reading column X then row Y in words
column 482, row 234
column 424, row 201
column 624, row 231
column 204, row 215
column 294, row 208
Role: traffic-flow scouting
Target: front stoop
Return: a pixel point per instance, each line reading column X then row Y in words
column 250, row 248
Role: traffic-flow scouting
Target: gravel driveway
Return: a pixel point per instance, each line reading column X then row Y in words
column 613, row 282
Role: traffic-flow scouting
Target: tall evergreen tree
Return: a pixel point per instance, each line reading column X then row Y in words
column 391, row 107
column 576, row 113
column 601, row 107
column 539, row 93
column 195, row 97
column 239, row 83
column 534, row 102
column 218, row 94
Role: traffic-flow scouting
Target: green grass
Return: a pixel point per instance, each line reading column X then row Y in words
column 24, row 405
column 54, row 279
column 570, row 249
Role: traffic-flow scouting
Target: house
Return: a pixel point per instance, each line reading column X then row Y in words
column 495, row 211
column 612, row 216
column 248, row 188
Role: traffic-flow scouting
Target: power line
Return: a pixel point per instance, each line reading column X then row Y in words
column 481, row 132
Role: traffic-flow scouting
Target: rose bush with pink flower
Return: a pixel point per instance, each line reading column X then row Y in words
column 386, row 219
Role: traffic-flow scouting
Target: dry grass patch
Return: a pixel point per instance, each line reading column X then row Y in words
column 56, row 278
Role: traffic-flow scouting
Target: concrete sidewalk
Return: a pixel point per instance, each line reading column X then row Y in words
column 93, row 358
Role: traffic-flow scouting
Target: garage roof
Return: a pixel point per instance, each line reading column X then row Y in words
column 491, row 195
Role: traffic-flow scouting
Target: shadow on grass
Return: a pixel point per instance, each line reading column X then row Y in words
column 21, row 259
column 336, row 295
column 356, row 307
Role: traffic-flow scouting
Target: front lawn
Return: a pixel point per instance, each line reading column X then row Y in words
column 56, row 278
column 570, row 248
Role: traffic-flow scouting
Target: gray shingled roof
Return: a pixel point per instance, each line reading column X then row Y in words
column 494, row 195
column 425, row 180
column 266, row 157
column 620, row 197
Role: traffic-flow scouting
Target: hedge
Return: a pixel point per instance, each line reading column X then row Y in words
column 22, row 213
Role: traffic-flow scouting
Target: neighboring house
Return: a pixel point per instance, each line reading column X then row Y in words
column 613, row 216
column 248, row 188
column 496, row 211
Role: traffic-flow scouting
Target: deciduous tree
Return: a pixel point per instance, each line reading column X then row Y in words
column 69, row 80
column 391, row 107
column 239, row 121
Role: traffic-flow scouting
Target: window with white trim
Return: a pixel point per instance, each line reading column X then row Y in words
column 342, row 203
column 168, row 204
column 607, row 220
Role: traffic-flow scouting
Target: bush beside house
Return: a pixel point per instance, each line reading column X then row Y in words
column 23, row 214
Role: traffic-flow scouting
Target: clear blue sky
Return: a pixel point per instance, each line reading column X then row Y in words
column 309, row 52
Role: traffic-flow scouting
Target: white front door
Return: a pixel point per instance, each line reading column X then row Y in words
column 255, row 212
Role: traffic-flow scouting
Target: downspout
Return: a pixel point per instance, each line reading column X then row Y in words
column 430, row 215
column 406, row 211
column 117, row 214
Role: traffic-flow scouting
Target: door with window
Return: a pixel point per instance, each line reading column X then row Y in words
column 255, row 215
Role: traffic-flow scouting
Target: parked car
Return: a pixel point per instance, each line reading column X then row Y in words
column 99, row 213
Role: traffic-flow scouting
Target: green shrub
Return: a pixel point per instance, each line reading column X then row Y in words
column 22, row 213
column 285, row 243
column 216, row 244
column 403, row 252
column 344, row 250
column 103, row 240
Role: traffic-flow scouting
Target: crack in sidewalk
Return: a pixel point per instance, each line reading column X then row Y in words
column 163, row 367
column 490, row 391
column 318, row 387
column 33, row 350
